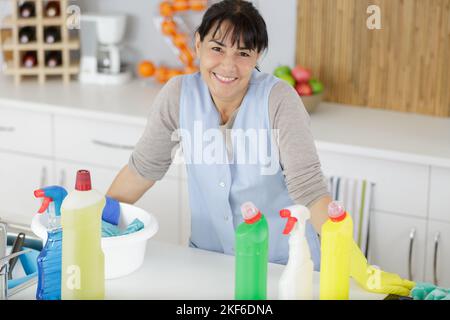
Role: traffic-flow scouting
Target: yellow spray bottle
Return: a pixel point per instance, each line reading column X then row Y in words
column 336, row 241
column 83, row 271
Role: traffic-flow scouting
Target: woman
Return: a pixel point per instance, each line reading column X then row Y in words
column 231, row 101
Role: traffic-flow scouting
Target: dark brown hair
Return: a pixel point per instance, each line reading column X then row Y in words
column 245, row 22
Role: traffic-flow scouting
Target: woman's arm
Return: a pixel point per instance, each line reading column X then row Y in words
column 128, row 186
column 299, row 160
column 319, row 212
column 152, row 155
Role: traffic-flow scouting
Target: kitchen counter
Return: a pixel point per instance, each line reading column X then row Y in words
column 181, row 273
column 128, row 103
column 382, row 134
column 379, row 133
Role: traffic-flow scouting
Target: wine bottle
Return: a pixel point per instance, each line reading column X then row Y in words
column 52, row 35
column 27, row 34
column 27, row 9
column 52, row 9
column 53, row 59
column 29, row 59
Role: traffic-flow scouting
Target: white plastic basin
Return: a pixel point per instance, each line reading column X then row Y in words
column 123, row 254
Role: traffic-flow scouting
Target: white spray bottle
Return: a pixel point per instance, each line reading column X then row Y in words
column 296, row 282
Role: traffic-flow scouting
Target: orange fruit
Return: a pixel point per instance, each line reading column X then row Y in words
column 173, row 73
column 190, row 69
column 165, row 9
column 198, row 5
column 169, row 27
column 146, row 69
column 179, row 40
column 161, row 74
column 180, row 5
column 186, row 56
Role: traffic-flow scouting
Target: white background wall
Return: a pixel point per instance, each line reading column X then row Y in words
column 145, row 42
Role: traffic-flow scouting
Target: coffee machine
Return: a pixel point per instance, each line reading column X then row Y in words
column 101, row 60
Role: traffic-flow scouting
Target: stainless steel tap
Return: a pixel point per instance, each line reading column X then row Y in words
column 4, row 265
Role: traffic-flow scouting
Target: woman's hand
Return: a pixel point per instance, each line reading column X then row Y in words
column 376, row 280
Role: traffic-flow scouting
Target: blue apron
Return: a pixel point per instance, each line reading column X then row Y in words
column 218, row 185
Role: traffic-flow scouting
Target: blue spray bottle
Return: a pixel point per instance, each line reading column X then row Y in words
column 49, row 260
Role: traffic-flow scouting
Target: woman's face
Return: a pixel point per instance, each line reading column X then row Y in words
column 226, row 69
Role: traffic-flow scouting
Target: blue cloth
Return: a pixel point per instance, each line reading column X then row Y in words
column 217, row 188
column 428, row 291
column 111, row 211
column 110, row 230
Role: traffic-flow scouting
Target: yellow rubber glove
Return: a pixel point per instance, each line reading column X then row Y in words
column 376, row 280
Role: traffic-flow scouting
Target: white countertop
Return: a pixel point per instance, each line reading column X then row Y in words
column 369, row 132
column 384, row 134
column 128, row 103
column 173, row 272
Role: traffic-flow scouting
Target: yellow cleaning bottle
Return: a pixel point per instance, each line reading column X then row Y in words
column 336, row 241
column 83, row 270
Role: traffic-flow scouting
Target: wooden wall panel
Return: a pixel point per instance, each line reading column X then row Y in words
column 405, row 66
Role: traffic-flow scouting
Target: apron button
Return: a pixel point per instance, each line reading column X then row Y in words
column 222, row 184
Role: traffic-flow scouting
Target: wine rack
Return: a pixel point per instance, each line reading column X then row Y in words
column 65, row 44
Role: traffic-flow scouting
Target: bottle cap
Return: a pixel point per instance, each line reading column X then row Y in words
column 336, row 211
column 250, row 213
column 83, row 182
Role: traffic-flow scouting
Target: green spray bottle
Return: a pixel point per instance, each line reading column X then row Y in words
column 252, row 255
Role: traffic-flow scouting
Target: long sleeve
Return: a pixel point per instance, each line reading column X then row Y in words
column 298, row 155
column 152, row 155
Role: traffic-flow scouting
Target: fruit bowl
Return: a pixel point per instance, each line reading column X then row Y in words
column 308, row 88
column 311, row 102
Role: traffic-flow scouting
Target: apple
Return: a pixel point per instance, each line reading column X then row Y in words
column 282, row 70
column 288, row 78
column 301, row 74
column 316, row 86
column 304, row 89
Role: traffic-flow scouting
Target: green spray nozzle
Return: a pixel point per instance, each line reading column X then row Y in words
column 50, row 194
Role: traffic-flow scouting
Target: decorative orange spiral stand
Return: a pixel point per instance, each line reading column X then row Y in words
column 169, row 28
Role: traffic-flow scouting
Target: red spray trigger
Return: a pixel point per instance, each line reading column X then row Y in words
column 41, row 194
column 291, row 221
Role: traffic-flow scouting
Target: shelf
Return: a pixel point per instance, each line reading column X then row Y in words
column 8, row 21
column 52, row 21
column 10, row 70
column 73, row 69
column 72, row 44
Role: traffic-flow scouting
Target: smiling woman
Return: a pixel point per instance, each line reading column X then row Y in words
column 234, row 103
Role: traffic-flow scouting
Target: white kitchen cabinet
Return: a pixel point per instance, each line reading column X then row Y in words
column 185, row 227
column 438, row 254
column 397, row 244
column 19, row 177
column 162, row 199
column 26, row 131
column 440, row 194
column 400, row 187
column 101, row 143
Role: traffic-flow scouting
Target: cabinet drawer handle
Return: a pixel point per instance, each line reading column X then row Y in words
column 412, row 235
column 112, row 145
column 436, row 244
column 7, row 129
column 62, row 180
column 44, row 176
